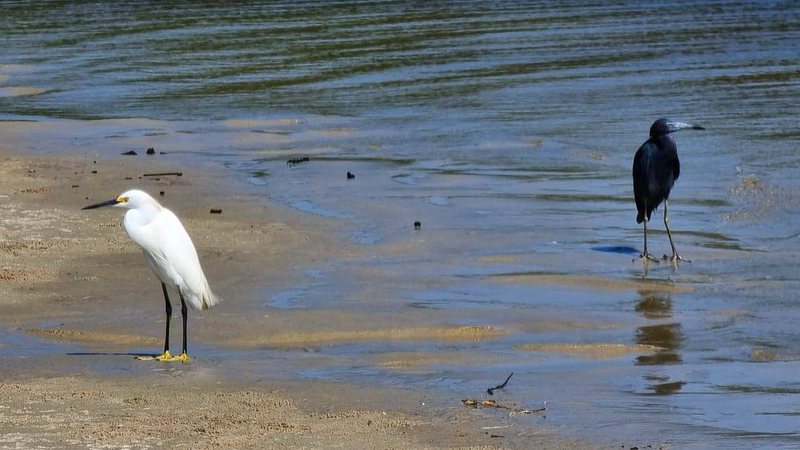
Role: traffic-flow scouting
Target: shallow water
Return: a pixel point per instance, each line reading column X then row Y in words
column 508, row 132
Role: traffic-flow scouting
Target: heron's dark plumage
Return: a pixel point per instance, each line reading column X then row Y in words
column 655, row 169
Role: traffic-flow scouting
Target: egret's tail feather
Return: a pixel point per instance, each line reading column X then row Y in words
column 209, row 299
column 202, row 300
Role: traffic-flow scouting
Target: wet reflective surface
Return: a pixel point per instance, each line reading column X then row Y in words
column 508, row 132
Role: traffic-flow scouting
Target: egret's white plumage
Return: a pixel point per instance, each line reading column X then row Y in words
column 169, row 252
column 167, row 248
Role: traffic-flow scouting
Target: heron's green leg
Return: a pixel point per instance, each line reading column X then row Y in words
column 645, row 256
column 675, row 256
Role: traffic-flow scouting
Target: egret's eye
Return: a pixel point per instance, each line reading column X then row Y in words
column 122, row 199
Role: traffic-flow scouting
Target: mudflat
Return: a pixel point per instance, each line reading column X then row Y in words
column 72, row 280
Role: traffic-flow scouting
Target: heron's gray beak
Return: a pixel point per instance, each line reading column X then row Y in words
column 105, row 203
column 678, row 126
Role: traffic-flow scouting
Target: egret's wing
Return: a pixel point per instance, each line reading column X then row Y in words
column 183, row 264
column 148, row 236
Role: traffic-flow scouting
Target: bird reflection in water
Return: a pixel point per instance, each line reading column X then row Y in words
column 666, row 336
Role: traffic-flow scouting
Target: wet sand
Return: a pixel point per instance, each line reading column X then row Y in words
column 72, row 277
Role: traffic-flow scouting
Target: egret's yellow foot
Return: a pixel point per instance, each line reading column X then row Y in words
column 165, row 357
column 183, row 357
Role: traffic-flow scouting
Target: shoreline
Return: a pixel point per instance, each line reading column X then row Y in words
column 76, row 280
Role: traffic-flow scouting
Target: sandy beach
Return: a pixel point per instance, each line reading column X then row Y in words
column 415, row 202
column 73, row 278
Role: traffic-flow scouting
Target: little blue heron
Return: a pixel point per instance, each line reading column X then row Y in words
column 169, row 252
column 655, row 169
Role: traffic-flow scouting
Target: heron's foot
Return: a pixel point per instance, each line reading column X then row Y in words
column 675, row 258
column 646, row 257
column 165, row 357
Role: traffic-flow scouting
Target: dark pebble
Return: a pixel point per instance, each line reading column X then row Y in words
column 295, row 161
column 350, row 175
column 130, row 153
column 94, row 171
column 161, row 193
column 215, row 211
column 417, row 225
column 151, row 151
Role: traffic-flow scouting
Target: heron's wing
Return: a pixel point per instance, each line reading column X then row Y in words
column 641, row 168
column 642, row 173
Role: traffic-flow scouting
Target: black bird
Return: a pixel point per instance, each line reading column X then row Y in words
column 655, row 169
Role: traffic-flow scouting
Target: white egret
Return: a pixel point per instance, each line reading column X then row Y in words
column 169, row 252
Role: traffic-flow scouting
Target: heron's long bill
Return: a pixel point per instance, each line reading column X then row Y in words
column 105, row 203
column 678, row 126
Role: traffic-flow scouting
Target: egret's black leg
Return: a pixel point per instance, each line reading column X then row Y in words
column 675, row 256
column 185, row 315
column 169, row 317
column 166, row 356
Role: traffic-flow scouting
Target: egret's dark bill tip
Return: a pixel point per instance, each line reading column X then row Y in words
column 698, row 127
column 98, row 205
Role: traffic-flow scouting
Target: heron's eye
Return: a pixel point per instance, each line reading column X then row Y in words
column 122, row 199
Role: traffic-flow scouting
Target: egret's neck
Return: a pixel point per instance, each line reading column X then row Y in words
column 142, row 214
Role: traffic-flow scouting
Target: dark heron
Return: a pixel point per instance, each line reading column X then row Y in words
column 655, row 169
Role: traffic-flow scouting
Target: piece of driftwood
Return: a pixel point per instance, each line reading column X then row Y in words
column 163, row 174
column 489, row 403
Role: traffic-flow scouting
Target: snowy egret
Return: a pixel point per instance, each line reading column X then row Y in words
column 655, row 169
column 169, row 252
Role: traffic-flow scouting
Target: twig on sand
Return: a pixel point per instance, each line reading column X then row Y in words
column 529, row 411
column 490, row 391
column 496, row 427
column 489, row 403
column 163, row 174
